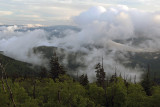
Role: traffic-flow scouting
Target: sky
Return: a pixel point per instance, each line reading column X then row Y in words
column 60, row 12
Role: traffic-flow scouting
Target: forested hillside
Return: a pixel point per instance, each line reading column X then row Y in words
column 54, row 88
column 15, row 68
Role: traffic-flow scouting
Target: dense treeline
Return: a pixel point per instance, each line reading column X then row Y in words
column 57, row 89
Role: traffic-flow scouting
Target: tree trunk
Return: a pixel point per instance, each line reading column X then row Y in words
column 59, row 98
column 34, row 90
column 3, row 82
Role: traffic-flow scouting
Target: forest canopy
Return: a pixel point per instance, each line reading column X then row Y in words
column 55, row 88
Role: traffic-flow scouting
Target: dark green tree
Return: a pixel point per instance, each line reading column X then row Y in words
column 155, row 96
column 97, row 95
column 56, row 67
column 100, row 74
column 147, row 83
column 116, row 93
column 83, row 80
column 136, row 96
column 43, row 72
column 113, row 78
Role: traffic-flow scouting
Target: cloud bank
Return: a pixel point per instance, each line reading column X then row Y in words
column 111, row 33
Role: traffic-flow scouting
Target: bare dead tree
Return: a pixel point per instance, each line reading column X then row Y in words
column 135, row 79
column 130, row 80
column 120, row 75
column 77, row 76
column 126, row 77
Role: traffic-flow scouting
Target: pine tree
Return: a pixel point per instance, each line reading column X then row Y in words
column 43, row 73
column 56, row 68
column 147, row 83
column 100, row 74
column 83, row 80
column 113, row 78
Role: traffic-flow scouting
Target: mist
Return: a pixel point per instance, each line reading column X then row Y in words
column 104, row 32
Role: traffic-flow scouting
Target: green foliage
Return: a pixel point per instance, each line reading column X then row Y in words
column 15, row 69
column 63, row 91
column 156, row 96
column 136, row 96
column 83, row 80
column 100, row 74
column 56, row 68
column 96, row 94
column 4, row 101
column 43, row 73
column 117, row 94
column 147, row 82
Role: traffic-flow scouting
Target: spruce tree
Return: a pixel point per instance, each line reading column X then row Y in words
column 56, row 68
column 43, row 72
column 83, row 80
column 100, row 74
column 147, row 83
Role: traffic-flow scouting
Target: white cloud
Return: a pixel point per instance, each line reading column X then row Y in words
column 63, row 9
column 33, row 25
column 157, row 18
column 4, row 13
column 29, row 16
column 100, row 28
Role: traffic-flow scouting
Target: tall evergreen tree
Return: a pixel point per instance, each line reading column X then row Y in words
column 147, row 83
column 43, row 72
column 56, row 68
column 83, row 80
column 100, row 74
column 113, row 78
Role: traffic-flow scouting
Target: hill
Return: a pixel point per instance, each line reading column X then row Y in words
column 16, row 68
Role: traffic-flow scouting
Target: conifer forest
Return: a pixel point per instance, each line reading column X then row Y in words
column 55, row 88
column 79, row 53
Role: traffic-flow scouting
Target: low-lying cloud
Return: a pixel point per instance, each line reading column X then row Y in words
column 104, row 32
